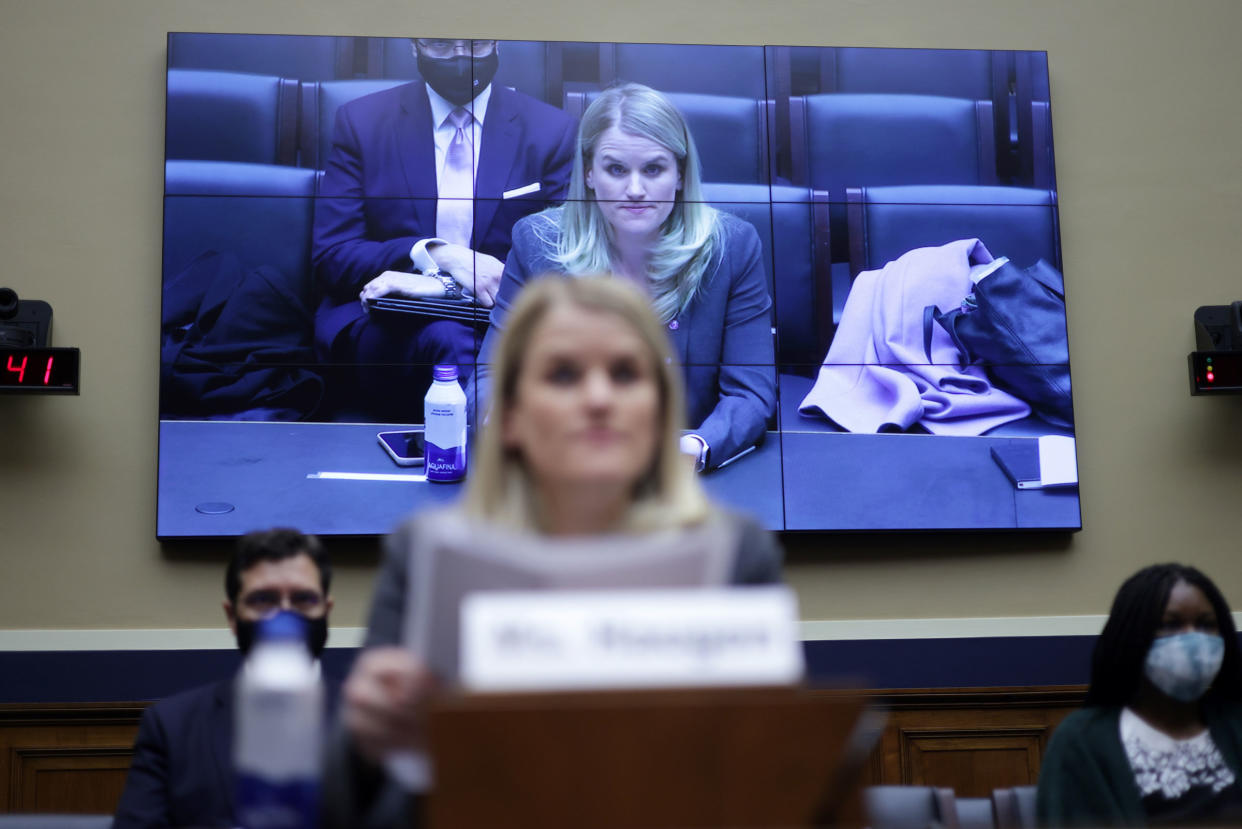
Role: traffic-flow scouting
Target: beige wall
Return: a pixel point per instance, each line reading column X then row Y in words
column 1147, row 127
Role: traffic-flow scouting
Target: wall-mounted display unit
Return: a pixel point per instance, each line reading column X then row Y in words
column 876, row 210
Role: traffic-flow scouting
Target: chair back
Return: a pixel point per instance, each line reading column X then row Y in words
column 735, row 71
column 1014, row 808
column 954, row 73
column 885, row 222
column 910, row 807
column 42, row 821
column 796, row 268
column 975, row 813
column 305, row 57
column 847, row 140
column 260, row 213
column 230, row 116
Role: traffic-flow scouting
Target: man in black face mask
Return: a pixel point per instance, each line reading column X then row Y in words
column 182, row 771
column 279, row 569
column 420, row 193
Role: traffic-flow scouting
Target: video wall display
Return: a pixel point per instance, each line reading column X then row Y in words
column 871, row 319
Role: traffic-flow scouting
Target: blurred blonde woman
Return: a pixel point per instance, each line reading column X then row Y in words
column 582, row 441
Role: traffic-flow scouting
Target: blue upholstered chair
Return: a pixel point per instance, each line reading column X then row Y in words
column 260, row 213
column 1032, row 122
column 975, row 813
column 848, row 140
column 909, row 807
column 1012, row 81
column 305, row 57
column 885, row 222
column 796, row 276
column 1014, row 807
column 954, row 73
column 840, row 141
column 1021, row 223
column 231, row 116
column 737, row 71
column 46, row 821
column 1039, row 147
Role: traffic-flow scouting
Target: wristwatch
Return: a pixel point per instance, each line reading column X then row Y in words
column 451, row 289
column 426, row 265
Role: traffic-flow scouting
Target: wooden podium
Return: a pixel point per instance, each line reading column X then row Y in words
column 772, row 757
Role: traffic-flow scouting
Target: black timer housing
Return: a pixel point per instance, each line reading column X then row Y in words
column 1216, row 365
column 24, row 323
column 28, row 363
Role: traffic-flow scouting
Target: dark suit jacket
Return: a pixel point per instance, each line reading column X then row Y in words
column 182, row 771
column 378, row 195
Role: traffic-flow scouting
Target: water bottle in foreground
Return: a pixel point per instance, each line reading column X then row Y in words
column 277, row 736
column 444, row 415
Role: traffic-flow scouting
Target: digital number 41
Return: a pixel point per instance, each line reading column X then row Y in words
column 20, row 368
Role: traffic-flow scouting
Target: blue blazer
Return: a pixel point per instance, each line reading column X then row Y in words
column 182, row 771
column 723, row 337
column 378, row 195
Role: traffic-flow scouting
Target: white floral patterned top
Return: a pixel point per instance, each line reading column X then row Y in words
column 1173, row 774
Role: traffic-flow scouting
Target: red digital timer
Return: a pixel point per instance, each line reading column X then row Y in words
column 39, row 370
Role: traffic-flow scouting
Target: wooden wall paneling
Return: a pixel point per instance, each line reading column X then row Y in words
column 970, row 740
column 72, row 780
column 69, row 758
column 971, row 762
column 74, row 757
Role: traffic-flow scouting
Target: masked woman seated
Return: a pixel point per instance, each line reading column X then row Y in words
column 1160, row 737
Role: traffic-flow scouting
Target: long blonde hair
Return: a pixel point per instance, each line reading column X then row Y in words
column 500, row 490
column 690, row 235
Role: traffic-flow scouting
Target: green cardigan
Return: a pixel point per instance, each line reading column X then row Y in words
column 1086, row 779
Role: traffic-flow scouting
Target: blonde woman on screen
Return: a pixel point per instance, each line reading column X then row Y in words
column 636, row 210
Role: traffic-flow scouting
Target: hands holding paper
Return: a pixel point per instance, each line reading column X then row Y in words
column 385, row 702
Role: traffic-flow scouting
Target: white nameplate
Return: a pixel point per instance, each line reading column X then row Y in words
column 522, row 641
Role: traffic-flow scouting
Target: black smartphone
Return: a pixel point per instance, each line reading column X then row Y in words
column 405, row 448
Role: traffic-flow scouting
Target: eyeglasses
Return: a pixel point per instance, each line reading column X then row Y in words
column 447, row 48
column 265, row 602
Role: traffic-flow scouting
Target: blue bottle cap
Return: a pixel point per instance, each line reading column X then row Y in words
column 444, row 373
column 284, row 626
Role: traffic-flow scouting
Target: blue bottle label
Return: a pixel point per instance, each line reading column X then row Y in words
column 263, row 804
column 445, row 464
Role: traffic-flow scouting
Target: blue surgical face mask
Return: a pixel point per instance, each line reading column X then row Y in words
column 1184, row 666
